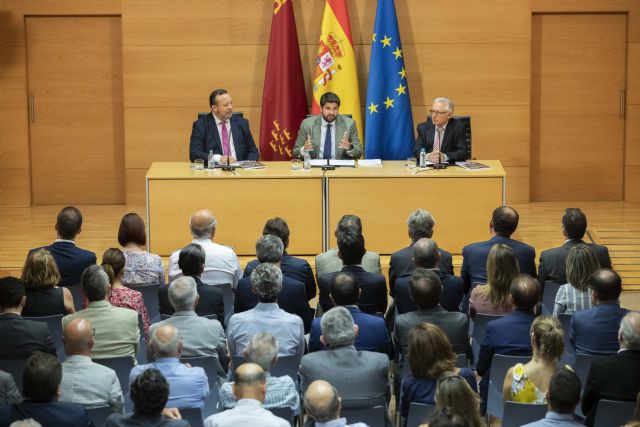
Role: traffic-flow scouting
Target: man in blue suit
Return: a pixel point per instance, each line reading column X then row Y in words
column 372, row 331
column 595, row 330
column 228, row 136
column 70, row 259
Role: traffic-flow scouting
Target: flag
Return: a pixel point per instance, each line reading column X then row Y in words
column 389, row 123
column 335, row 69
column 284, row 103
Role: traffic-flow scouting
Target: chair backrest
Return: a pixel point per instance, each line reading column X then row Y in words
column 480, row 322
column 284, row 413
column 466, row 120
column 286, row 365
column 517, row 414
column 373, row 417
column 549, row 297
column 582, row 366
column 417, row 413
column 100, row 414
column 15, row 367
column 208, row 316
column 122, row 365
column 150, row 295
column 193, row 416
column 569, row 356
column 208, row 363
column 500, row 364
column 55, row 329
column 78, row 296
column 235, row 113
column 141, row 354
column 613, row 413
column 228, row 299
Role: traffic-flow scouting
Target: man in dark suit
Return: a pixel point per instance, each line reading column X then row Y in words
column 295, row 268
column 372, row 330
column 20, row 337
column 226, row 135
column 443, row 138
column 41, row 388
column 510, row 335
column 595, row 330
column 292, row 298
column 420, row 225
column 70, row 259
column 351, row 249
column 553, row 262
column 615, row 377
column 426, row 255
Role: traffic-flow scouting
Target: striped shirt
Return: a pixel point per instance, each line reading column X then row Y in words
column 570, row 299
column 281, row 393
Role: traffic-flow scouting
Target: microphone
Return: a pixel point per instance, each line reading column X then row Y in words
column 440, row 165
column 228, row 167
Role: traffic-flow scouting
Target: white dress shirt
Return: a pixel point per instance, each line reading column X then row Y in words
column 248, row 412
column 220, row 266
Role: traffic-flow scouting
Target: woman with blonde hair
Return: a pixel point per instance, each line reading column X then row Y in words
column 529, row 383
column 41, row 277
column 495, row 296
column 454, row 392
column 576, row 294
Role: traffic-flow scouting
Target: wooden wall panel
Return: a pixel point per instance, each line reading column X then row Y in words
column 15, row 188
column 632, row 142
column 517, row 184
column 632, row 184
column 633, row 73
column 136, row 187
column 14, row 149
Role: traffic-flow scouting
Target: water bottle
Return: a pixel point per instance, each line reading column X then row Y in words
column 423, row 158
column 210, row 160
column 307, row 159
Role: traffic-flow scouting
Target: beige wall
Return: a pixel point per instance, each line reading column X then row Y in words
column 176, row 51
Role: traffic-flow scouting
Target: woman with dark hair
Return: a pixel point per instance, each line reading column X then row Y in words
column 141, row 266
column 41, row 277
column 495, row 296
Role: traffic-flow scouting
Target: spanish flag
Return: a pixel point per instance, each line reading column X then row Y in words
column 335, row 69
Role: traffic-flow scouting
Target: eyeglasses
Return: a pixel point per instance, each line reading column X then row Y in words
column 438, row 113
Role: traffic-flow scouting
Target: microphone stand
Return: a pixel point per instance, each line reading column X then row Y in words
column 440, row 165
column 228, row 167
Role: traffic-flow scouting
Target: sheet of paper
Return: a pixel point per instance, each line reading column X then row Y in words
column 367, row 163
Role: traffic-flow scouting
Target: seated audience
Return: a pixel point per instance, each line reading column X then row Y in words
column 446, row 417
column 322, row 404
column 372, row 330
column 295, row 268
column 576, row 294
column 70, row 259
column 615, row 377
column 116, row 328
column 528, row 383
column 149, row 394
column 595, row 331
column 20, row 337
column 83, row 381
column 562, row 398
column 494, row 297
column 250, row 389
column 281, row 391
column 635, row 422
column 41, row 382
column 141, row 267
column 431, row 358
column 454, row 392
column 188, row 386
column 9, row 392
column 40, row 277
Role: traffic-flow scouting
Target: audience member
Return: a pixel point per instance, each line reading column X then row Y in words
column 28, row 422
column 83, row 381
column 70, row 259
column 562, row 398
column 40, row 277
column 454, row 392
column 116, row 328
column 42, row 375
column 9, row 392
column 141, row 267
column 575, row 295
column 445, row 417
column 528, row 383
column 221, row 264
column 495, row 297
column 372, row 330
column 20, row 337
column 552, row 261
column 635, row 422
column 322, row 404
column 250, row 389
column 595, row 330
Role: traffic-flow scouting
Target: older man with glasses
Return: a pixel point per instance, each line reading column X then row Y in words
column 443, row 137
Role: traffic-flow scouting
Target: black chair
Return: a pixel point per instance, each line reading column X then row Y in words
column 549, row 297
column 228, row 299
column 286, row 365
column 150, row 295
column 373, row 417
column 141, row 354
column 417, row 413
column 100, row 414
column 479, row 330
column 613, row 413
column 569, row 356
column 500, row 364
column 193, row 416
column 78, row 296
column 235, row 113
column 122, row 365
column 15, row 367
column 517, row 414
column 284, row 413
column 55, row 329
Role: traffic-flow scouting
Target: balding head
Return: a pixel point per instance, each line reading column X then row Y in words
column 250, row 382
column 425, row 253
column 166, row 341
column 504, row 220
column 321, row 401
column 202, row 224
column 78, row 337
column 525, row 292
column 629, row 333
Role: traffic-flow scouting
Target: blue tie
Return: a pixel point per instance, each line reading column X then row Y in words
column 327, row 143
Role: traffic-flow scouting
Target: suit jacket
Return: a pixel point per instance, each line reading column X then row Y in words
column 205, row 137
column 136, row 420
column 70, row 259
column 452, row 292
column 9, row 392
column 329, row 262
column 21, row 337
column 373, row 298
column 401, row 264
column 292, row 299
column 615, row 377
column 454, row 143
column 553, row 262
column 295, row 268
column 50, row 414
column 595, row 330
column 311, row 126
column 211, row 300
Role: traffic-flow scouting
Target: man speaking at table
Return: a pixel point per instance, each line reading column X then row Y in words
column 443, row 138
column 328, row 135
column 226, row 134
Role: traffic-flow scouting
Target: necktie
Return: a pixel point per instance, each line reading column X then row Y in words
column 327, row 144
column 226, row 148
column 438, row 142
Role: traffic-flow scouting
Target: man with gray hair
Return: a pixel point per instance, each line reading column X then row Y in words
column 266, row 316
column 293, row 297
column 322, row 404
column 281, row 391
column 188, row 386
column 361, row 377
column 442, row 137
column 116, row 328
column 221, row 264
column 615, row 377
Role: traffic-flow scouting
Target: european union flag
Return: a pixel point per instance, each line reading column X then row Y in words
column 389, row 123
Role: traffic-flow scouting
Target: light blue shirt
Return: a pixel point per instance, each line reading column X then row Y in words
column 340, row 422
column 554, row 419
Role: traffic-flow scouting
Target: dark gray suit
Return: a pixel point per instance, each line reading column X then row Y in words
column 21, row 337
column 8, row 391
column 553, row 262
column 401, row 264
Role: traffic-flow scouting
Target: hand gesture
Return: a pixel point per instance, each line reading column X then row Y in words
column 223, row 160
column 308, row 144
column 434, row 156
column 344, row 142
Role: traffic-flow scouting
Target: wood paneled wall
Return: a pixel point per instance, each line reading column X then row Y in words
column 478, row 52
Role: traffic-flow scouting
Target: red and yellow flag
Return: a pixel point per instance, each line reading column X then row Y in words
column 284, row 103
column 335, row 69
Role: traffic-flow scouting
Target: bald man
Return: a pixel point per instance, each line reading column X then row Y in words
column 322, row 403
column 83, row 381
column 221, row 263
column 250, row 389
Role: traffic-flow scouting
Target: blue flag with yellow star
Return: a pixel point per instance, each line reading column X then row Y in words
column 388, row 123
